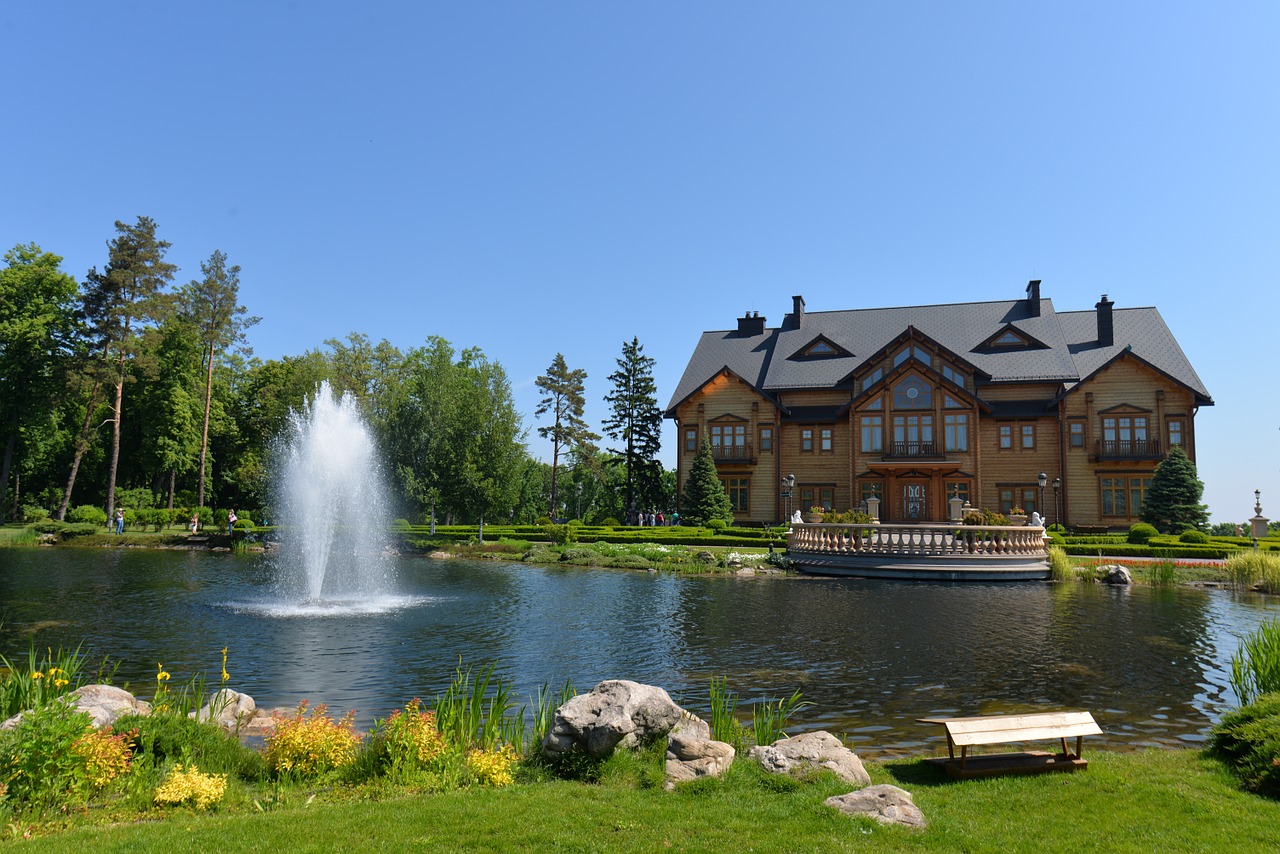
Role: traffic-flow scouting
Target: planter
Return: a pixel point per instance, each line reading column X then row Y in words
column 813, row 518
column 1018, row 519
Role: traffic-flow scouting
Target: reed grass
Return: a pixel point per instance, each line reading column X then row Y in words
column 1164, row 571
column 472, row 714
column 769, row 720
column 724, row 706
column 34, row 683
column 1255, row 667
column 1060, row 568
column 1248, row 568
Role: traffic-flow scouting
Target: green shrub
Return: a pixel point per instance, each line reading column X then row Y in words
column 1060, row 568
column 1141, row 533
column 1248, row 740
column 88, row 514
column 981, row 516
column 31, row 513
column 717, row 525
column 561, row 535
column 162, row 739
column 54, row 756
column 311, row 743
column 542, row 521
column 1191, row 535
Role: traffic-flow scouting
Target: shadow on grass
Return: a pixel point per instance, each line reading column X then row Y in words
column 918, row 772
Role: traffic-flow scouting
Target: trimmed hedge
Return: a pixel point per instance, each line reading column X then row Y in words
column 1182, row 552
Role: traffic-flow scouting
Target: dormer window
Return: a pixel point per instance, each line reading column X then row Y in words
column 1008, row 339
column 820, row 348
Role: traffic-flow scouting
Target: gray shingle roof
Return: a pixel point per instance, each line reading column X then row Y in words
column 1065, row 345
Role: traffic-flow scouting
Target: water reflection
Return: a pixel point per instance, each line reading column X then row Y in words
column 1151, row 664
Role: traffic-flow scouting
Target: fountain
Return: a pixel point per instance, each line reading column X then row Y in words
column 330, row 501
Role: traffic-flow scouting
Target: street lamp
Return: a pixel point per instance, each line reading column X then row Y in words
column 1057, row 508
column 788, row 484
column 1043, row 480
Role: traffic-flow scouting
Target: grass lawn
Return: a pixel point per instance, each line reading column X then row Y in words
column 1170, row 801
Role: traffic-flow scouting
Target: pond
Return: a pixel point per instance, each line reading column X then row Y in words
column 872, row 656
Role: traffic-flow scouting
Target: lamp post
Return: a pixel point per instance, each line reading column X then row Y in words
column 1043, row 480
column 788, row 484
column 1057, row 507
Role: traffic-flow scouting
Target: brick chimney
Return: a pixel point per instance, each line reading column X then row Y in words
column 1106, row 329
column 1033, row 298
column 751, row 324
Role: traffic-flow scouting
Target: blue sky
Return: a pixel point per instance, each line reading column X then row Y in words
column 532, row 178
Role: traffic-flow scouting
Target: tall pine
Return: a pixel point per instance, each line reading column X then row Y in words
column 564, row 390
column 704, row 496
column 636, row 422
column 120, row 304
column 1172, row 503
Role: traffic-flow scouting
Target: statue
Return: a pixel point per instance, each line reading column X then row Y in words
column 796, row 518
column 1036, row 521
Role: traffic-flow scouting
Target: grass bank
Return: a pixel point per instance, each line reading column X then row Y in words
column 1148, row 801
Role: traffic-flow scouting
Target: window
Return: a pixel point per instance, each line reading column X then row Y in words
column 949, row 402
column 817, row 496
column 1175, row 433
column 1075, row 434
column 739, row 490
column 728, row 436
column 1124, row 433
column 691, row 439
column 766, row 438
column 806, row 440
column 872, row 434
column 806, row 497
column 1006, row 436
column 1028, row 436
column 877, row 403
column 1006, row 501
column 912, row 434
column 958, row 489
column 1113, row 496
column 871, row 379
column 912, row 352
column 1008, row 339
column 912, row 393
column 953, row 375
column 826, row 440
column 1138, row 487
column 820, row 348
column 1029, row 504
column 871, row 489
column 956, row 429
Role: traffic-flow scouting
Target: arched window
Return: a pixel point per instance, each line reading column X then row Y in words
column 912, row 393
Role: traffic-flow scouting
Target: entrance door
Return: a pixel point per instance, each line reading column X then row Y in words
column 915, row 504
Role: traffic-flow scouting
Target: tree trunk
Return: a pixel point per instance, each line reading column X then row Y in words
column 115, row 443
column 173, row 477
column 82, row 447
column 9, row 447
column 204, row 434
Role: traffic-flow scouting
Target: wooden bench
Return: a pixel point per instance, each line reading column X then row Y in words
column 1013, row 729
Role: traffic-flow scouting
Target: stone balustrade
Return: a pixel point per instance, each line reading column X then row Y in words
column 940, row 540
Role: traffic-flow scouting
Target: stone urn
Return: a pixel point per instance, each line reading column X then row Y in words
column 814, row 516
column 1018, row 519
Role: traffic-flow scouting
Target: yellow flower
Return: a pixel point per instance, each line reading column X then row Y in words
column 37, row 675
column 161, row 675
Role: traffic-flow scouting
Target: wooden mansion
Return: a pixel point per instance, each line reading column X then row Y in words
column 915, row 405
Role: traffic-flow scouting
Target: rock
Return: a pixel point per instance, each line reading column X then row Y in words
column 886, row 804
column 1114, row 573
column 691, row 725
column 705, row 557
column 616, row 713
column 810, row 752
column 689, row 758
column 228, row 709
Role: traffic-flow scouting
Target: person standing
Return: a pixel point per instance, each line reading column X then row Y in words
column 231, row 522
column 119, row 521
column 195, row 523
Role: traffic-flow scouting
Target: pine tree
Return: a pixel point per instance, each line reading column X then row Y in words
column 636, row 422
column 564, row 399
column 1173, row 502
column 704, row 495
column 119, row 305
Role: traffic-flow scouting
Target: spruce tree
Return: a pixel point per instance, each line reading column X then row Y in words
column 636, row 422
column 1173, row 501
column 704, row 495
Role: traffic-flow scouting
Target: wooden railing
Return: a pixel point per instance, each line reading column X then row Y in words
column 913, row 449
column 733, row 453
column 938, row 539
column 1129, row 449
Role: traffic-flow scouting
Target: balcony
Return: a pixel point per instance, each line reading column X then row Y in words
column 1129, row 449
column 924, row 450
column 744, row 453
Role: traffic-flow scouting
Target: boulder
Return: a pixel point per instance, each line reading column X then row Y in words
column 691, row 725
column 615, row 713
column 689, row 758
column 811, row 751
column 228, row 709
column 1114, row 573
column 104, row 703
column 886, row 804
